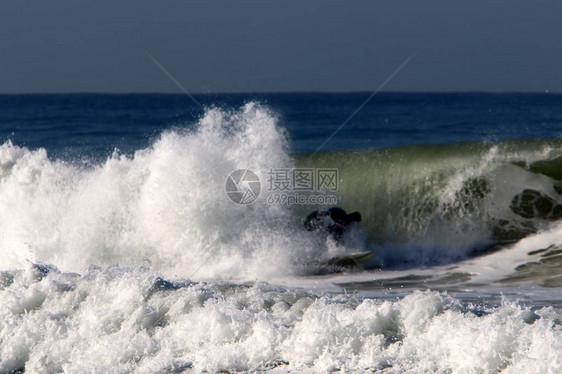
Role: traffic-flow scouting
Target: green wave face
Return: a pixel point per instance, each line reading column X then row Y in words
column 464, row 195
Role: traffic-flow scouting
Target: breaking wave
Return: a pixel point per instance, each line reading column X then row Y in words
column 166, row 205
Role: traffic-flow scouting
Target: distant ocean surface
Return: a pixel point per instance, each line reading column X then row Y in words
column 96, row 124
column 122, row 250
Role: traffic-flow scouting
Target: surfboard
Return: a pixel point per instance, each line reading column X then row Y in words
column 349, row 260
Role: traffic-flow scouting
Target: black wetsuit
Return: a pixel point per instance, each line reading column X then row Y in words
column 333, row 220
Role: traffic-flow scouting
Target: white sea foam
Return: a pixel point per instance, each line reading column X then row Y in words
column 125, row 320
column 163, row 211
column 166, row 204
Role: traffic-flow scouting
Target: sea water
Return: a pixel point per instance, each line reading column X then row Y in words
column 121, row 250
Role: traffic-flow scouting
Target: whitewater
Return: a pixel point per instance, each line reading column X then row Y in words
column 141, row 263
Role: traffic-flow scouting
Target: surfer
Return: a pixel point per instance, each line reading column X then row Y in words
column 334, row 221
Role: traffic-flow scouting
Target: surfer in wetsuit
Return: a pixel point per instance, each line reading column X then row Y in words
column 333, row 220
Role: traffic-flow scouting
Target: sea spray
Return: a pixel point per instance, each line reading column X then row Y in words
column 165, row 204
column 126, row 320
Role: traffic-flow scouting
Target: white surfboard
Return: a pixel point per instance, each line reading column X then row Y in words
column 349, row 260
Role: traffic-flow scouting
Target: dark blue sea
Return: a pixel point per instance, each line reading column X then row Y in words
column 164, row 233
column 96, row 124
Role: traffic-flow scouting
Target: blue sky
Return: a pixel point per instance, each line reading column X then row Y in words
column 259, row 46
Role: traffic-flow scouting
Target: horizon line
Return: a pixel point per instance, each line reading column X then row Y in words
column 277, row 92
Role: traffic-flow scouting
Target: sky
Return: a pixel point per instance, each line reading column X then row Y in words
column 279, row 46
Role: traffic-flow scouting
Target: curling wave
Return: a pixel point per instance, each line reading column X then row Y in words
column 430, row 203
column 167, row 205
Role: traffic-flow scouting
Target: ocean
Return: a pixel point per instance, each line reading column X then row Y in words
column 159, row 233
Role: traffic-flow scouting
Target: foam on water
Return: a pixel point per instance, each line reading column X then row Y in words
column 530, row 269
column 165, row 204
column 130, row 320
column 125, row 225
